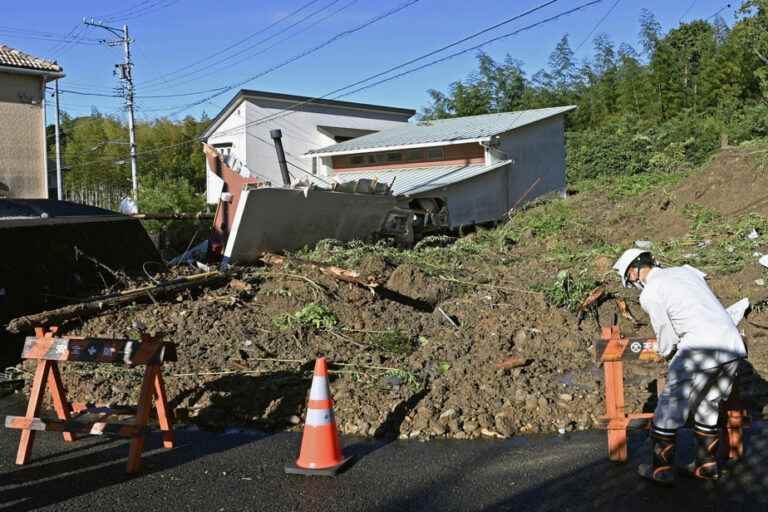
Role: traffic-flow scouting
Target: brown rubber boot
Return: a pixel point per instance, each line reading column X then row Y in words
column 662, row 468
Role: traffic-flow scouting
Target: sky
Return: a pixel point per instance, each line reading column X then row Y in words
column 182, row 47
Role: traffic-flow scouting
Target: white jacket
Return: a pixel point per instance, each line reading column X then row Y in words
column 686, row 315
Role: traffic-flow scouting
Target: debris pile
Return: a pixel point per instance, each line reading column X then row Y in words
column 459, row 338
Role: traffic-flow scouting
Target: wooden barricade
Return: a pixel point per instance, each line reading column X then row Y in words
column 48, row 350
column 611, row 352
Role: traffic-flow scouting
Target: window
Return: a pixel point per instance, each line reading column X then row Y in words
column 378, row 158
column 395, row 157
column 357, row 160
column 435, row 154
column 414, row 154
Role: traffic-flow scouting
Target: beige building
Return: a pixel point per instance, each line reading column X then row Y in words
column 22, row 123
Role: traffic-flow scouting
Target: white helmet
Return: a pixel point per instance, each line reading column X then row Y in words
column 622, row 264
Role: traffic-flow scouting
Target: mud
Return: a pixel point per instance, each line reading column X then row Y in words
column 419, row 372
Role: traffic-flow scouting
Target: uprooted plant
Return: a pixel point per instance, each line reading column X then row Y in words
column 312, row 317
column 568, row 291
column 393, row 341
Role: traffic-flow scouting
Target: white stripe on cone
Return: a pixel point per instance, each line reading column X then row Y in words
column 319, row 417
column 319, row 390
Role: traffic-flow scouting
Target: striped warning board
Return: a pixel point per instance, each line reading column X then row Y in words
column 98, row 350
column 49, row 350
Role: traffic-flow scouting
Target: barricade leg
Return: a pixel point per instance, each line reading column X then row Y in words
column 142, row 416
column 59, row 398
column 735, row 434
column 164, row 414
column 617, row 444
column 732, row 414
column 33, row 409
column 614, row 408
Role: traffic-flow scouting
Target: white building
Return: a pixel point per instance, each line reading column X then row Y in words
column 241, row 132
column 460, row 171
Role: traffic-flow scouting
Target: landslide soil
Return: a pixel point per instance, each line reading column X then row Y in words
column 426, row 367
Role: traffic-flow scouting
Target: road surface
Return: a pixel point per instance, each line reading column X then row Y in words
column 240, row 470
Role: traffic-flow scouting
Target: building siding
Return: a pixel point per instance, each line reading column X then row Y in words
column 537, row 152
column 300, row 134
column 22, row 136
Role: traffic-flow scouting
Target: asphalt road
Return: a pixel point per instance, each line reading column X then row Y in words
column 239, row 470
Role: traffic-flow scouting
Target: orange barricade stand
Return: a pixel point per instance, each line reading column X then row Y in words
column 611, row 352
column 76, row 418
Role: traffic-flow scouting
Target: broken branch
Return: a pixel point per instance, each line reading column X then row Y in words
column 350, row 276
column 96, row 305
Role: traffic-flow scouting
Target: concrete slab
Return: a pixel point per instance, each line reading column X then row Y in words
column 271, row 219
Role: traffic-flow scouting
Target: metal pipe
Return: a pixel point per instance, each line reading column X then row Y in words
column 277, row 136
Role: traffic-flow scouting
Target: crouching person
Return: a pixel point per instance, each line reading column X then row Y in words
column 697, row 336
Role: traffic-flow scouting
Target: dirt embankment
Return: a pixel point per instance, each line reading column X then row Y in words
column 427, row 366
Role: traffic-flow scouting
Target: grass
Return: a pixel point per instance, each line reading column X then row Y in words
column 631, row 185
column 566, row 240
column 408, row 379
column 315, row 317
column 715, row 243
column 569, row 291
column 393, row 341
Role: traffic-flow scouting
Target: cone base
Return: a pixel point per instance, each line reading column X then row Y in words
column 293, row 469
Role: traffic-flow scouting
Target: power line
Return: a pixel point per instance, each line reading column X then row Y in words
column 298, row 167
column 260, row 52
column 61, row 38
column 431, row 63
column 41, row 33
column 126, row 10
column 141, row 9
column 727, row 6
column 286, row 111
column 105, row 95
column 78, row 31
column 451, row 45
column 221, row 66
column 305, row 53
column 597, row 25
column 241, row 41
column 687, row 11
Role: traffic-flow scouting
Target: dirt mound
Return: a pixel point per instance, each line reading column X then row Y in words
column 421, row 357
column 397, row 370
column 411, row 281
column 730, row 184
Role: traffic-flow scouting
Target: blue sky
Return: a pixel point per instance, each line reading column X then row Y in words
column 173, row 34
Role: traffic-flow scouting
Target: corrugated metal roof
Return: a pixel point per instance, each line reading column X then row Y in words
column 412, row 181
column 17, row 59
column 444, row 130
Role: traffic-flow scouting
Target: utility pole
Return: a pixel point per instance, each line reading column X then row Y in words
column 125, row 72
column 59, row 181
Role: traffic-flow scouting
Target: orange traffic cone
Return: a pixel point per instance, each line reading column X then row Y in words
column 320, row 448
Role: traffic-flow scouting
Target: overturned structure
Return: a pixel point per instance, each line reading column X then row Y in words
column 402, row 182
